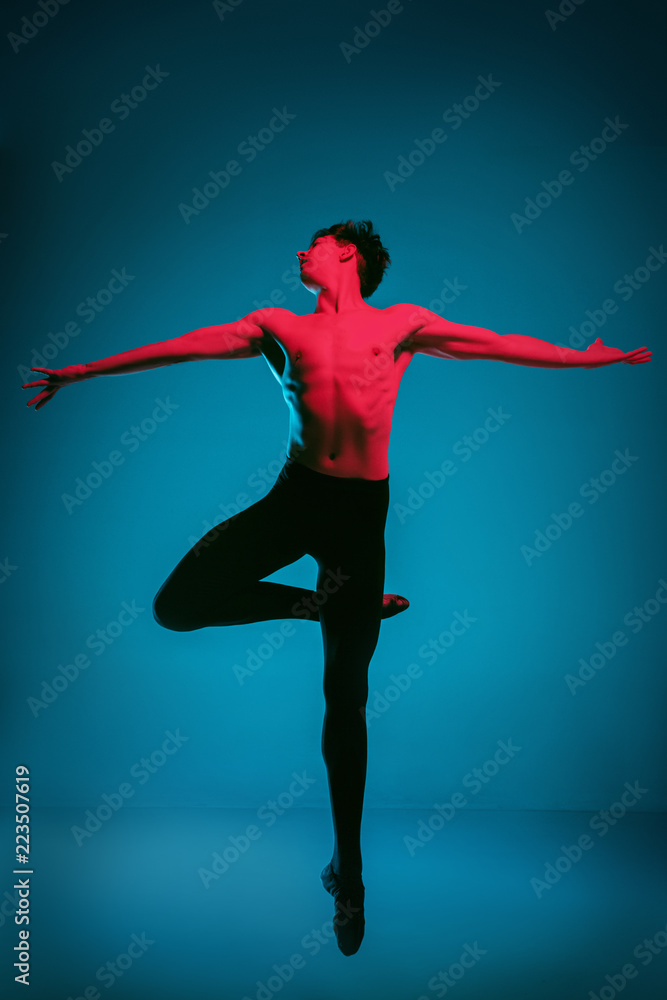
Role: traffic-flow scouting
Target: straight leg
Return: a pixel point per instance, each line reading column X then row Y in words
column 353, row 563
column 353, row 560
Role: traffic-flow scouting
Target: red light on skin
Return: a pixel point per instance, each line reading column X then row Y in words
column 341, row 400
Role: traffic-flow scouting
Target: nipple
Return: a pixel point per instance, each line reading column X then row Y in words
column 332, row 455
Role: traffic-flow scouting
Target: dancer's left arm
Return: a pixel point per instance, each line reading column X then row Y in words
column 429, row 333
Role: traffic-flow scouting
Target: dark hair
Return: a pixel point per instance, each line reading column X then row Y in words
column 372, row 258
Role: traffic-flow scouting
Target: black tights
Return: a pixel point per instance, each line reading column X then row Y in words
column 340, row 522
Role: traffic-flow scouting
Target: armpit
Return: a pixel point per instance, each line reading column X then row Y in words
column 274, row 354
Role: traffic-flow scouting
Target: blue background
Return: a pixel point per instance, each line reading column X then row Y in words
column 461, row 549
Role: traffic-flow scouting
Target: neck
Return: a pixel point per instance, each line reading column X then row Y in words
column 342, row 299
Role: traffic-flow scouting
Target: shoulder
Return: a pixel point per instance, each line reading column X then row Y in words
column 272, row 320
column 414, row 317
column 409, row 320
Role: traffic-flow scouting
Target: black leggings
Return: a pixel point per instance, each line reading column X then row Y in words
column 340, row 522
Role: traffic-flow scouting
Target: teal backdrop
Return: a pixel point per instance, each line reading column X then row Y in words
column 527, row 503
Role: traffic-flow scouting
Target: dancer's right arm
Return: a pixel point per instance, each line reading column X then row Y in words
column 240, row 339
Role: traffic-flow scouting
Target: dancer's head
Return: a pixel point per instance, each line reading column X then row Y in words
column 345, row 244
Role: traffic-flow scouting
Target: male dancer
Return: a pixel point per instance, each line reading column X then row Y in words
column 339, row 368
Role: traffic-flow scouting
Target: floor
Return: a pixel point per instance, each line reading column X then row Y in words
column 220, row 905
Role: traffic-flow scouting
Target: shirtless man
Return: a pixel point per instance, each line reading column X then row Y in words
column 339, row 368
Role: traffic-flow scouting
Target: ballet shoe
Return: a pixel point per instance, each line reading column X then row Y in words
column 393, row 604
column 348, row 921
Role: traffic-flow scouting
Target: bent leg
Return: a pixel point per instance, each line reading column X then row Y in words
column 218, row 582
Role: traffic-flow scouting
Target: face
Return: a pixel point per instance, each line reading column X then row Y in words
column 320, row 262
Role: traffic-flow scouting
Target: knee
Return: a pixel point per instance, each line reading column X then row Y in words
column 165, row 616
column 346, row 700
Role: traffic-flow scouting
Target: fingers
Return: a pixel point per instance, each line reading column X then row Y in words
column 640, row 356
column 51, row 383
column 42, row 398
column 45, row 381
column 44, row 401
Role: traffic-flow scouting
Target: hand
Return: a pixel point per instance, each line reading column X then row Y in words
column 597, row 355
column 55, row 379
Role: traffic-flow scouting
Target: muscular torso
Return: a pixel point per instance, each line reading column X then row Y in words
column 339, row 374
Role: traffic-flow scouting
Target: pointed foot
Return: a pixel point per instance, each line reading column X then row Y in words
column 349, row 924
column 393, row 604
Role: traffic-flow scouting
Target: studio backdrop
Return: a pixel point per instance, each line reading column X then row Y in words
column 162, row 165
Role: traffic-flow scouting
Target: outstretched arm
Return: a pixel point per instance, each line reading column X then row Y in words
column 240, row 339
column 431, row 334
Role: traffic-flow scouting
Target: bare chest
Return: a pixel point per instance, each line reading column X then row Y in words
column 354, row 346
